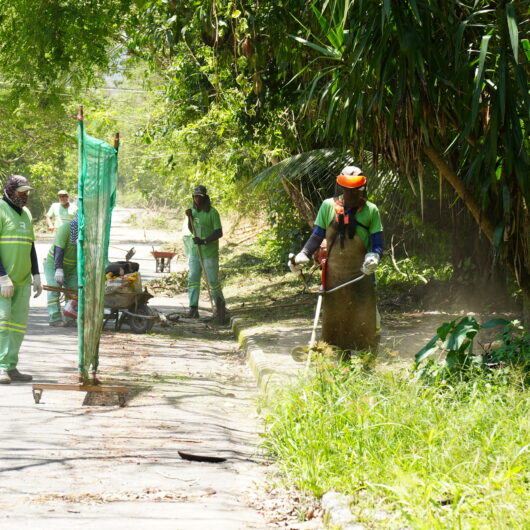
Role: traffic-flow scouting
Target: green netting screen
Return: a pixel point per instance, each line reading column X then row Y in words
column 98, row 174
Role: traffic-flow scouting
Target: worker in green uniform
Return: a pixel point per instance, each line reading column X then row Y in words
column 60, row 212
column 60, row 268
column 351, row 226
column 201, row 241
column 18, row 263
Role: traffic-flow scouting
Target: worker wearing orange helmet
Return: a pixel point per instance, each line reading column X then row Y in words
column 351, row 226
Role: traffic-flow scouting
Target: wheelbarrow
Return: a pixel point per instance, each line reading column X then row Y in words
column 163, row 260
column 123, row 308
column 130, row 309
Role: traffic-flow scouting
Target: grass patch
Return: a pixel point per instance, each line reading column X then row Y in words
column 452, row 457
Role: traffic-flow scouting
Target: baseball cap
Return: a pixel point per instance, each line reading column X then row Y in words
column 200, row 190
column 62, row 192
column 19, row 183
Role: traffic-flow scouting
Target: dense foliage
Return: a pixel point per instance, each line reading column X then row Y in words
column 458, row 356
column 224, row 89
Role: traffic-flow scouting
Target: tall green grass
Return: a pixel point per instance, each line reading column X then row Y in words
column 447, row 457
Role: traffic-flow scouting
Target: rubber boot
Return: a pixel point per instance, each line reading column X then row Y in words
column 221, row 316
column 15, row 375
column 193, row 312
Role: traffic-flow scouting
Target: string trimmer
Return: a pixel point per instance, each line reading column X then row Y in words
column 322, row 291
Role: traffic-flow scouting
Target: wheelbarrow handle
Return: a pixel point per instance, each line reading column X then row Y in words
column 65, row 290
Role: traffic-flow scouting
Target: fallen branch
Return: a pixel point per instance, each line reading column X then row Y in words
column 393, row 258
column 394, row 263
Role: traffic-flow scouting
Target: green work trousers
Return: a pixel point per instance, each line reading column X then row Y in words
column 211, row 267
column 54, row 304
column 13, row 319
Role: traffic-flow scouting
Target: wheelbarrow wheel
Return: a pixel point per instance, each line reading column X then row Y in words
column 138, row 324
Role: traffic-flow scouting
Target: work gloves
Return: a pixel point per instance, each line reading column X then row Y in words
column 199, row 241
column 37, row 285
column 371, row 260
column 296, row 263
column 7, row 290
column 6, row 287
column 59, row 277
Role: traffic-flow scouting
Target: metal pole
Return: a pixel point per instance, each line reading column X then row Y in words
column 314, row 330
column 345, row 284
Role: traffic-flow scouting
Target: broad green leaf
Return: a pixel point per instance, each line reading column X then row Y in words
column 465, row 329
column 512, row 28
column 427, row 350
column 526, row 47
column 479, row 77
column 445, row 329
column 329, row 52
column 455, row 340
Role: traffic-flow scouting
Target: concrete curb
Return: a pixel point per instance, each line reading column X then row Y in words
column 265, row 371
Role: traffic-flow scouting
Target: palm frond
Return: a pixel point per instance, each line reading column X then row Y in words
column 315, row 174
column 317, row 167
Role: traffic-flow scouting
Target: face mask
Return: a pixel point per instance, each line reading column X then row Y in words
column 18, row 201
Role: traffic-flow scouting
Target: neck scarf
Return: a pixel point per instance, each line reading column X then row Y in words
column 74, row 229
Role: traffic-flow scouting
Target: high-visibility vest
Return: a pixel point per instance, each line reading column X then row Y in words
column 16, row 240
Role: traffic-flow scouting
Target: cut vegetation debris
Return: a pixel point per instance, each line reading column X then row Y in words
column 170, row 284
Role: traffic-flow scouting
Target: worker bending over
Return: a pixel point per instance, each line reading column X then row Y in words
column 60, row 268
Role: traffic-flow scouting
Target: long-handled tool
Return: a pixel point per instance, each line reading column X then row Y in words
column 321, row 294
column 202, row 262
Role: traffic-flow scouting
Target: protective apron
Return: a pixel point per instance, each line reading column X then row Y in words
column 349, row 314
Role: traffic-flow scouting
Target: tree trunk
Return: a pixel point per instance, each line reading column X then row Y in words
column 459, row 187
column 521, row 270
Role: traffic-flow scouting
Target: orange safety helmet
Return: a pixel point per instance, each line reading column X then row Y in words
column 351, row 177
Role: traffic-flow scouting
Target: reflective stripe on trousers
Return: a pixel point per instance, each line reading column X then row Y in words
column 211, row 266
column 13, row 319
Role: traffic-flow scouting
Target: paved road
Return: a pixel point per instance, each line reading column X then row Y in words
column 78, row 460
